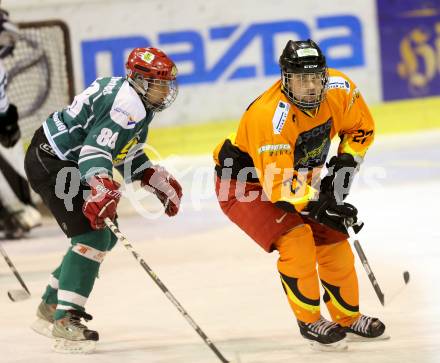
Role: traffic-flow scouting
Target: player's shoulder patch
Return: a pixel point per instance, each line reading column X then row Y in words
column 280, row 116
column 127, row 109
column 335, row 82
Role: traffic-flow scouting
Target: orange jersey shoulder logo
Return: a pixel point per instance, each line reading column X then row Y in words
column 280, row 116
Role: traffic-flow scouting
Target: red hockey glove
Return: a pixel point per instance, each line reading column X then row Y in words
column 167, row 189
column 102, row 201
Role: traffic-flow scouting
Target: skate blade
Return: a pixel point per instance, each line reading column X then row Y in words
column 339, row 346
column 65, row 346
column 42, row 327
column 354, row 338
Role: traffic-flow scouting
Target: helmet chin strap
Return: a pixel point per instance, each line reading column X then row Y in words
column 136, row 87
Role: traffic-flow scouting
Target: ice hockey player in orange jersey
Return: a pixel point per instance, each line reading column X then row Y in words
column 269, row 184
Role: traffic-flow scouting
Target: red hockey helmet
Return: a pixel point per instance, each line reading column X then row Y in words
column 153, row 75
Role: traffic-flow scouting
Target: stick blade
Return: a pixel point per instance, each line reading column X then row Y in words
column 18, row 295
column 382, row 299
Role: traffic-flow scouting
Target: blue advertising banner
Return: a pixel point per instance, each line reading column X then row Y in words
column 206, row 70
column 410, row 48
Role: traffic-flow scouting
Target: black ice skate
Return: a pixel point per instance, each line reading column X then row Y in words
column 366, row 328
column 324, row 335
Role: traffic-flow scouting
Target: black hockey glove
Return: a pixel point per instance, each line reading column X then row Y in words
column 341, row 171
column 327, row 211
column 9, row 130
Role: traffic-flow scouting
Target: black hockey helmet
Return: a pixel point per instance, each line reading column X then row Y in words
column 304, row 73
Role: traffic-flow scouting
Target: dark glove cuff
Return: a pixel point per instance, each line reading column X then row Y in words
column 343, row 160
column 10, row 117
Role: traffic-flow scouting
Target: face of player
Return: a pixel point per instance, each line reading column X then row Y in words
column 307, row 87
column 158, row 92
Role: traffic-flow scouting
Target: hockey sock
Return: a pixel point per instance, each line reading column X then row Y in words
column 79, row 269
column 50, row 295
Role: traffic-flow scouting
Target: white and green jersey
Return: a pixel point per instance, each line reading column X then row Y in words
column 101, row 129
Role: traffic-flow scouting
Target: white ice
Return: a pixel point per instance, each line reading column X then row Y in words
column 231, row 288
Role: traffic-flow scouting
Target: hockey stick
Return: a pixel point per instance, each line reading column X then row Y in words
column 356, row 225
column 15, row 295
column 370, row 273
column 165, row 290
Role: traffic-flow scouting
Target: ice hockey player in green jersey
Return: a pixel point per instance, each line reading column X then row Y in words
column 75, row 150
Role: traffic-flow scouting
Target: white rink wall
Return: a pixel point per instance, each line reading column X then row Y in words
column 226, row 51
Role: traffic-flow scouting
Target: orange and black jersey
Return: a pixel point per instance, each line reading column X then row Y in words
column 284, row 148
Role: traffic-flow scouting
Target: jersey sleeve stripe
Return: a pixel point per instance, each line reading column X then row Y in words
column 88, row 170
column 96, row 156
column 51, row 142
column 74, row 128
column 59, row 133
column 73, row 149
column 88, row 121
column 88, row 149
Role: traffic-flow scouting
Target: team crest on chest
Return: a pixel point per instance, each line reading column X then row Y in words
column 312, row 146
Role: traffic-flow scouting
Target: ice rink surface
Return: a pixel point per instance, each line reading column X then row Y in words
column 231, row 288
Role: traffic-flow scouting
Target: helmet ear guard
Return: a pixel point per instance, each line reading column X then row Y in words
column 304, row 73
